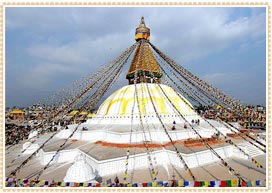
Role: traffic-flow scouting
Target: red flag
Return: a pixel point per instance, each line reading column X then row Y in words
column 144, row 184
column 197, row 184
column 244, row 183
column 223, row 184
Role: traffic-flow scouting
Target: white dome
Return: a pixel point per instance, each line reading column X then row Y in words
column 80, row 171
column 122, row 101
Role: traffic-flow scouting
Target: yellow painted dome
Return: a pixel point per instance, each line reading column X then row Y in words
column 122, row 101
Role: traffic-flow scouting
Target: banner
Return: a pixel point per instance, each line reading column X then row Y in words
column 12, row 182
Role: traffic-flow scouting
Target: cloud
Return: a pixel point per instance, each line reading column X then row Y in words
column 199, row 32
column 51, row 44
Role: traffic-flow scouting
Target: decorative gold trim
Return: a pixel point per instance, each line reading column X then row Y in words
column 3, row 5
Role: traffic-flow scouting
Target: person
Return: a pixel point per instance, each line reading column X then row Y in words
column 116, row 180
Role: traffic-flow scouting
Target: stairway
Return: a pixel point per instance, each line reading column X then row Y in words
column 250, row 149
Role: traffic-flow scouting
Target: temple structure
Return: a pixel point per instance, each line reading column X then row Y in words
column 144, row 131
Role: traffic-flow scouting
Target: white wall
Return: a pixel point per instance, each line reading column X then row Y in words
column 163, row 157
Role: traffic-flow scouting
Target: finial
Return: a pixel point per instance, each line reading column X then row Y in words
column 142, row 20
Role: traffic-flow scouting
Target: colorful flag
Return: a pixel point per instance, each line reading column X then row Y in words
column 180, row 183
column 160, row 183
column 217, row 184
column 244, row 183
column 140, row 185
column 223, row 183
column 165, row 183
column 249, row 184
column 196, row 184
column 205, row 184
column 212, row 184
column 191, row 183
column 228, row 182
column 234, row 183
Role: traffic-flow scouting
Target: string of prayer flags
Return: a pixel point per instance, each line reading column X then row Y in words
column 12, row 182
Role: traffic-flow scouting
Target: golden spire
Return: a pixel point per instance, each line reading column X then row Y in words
column 142, row 32
column 144, row 65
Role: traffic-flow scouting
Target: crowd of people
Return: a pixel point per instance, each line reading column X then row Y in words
column 15, row 133
column 249, row 116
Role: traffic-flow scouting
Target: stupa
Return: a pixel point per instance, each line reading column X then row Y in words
column 143, row 126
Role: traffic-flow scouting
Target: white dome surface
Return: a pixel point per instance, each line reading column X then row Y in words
column 80, row 171
column 124, row 100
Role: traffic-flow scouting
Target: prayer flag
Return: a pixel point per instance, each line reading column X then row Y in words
column 180, row 183
column 154, row 184
column 186, row 183
column 149, row 184
column 228, row 182
column 234, row 183
column 206, row 183
column 223, row 184
column 165, row 183
column 160, row 183
column 249, row 184
column 140, row 185
column 196, row 184
column 144, row 184
column 191, row 183
column 217, row 184
column 258, row 183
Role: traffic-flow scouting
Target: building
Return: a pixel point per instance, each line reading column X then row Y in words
column 143, row 132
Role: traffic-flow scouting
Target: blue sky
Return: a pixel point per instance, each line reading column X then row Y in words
column 48, row 48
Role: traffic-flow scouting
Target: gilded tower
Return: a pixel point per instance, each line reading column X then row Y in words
column 144, row 67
